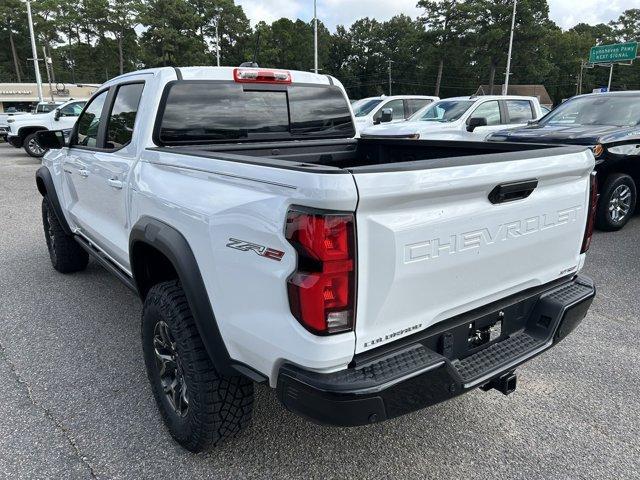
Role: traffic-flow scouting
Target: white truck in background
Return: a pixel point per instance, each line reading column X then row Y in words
column 387, row 109
column 463, row 118
column 41, row 107
column 22, row 129
column 360, row 278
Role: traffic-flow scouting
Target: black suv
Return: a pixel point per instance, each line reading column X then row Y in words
column 609, row 123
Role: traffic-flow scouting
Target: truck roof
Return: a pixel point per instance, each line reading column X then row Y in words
column 393, row 97
column 492, row 97
column 626, row 93
column 226, row 73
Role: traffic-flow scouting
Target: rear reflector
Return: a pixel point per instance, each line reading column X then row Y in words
column 257, row 75
column 591, row 214
column 322, row 289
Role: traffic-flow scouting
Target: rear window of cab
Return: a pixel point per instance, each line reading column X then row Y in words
column 196, row 112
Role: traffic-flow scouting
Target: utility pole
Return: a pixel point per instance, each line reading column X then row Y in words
column 315, row 36
column 47, row 62
column 34, row 51
column 505, row 87
column 390, row 62
column 579, row 89
column 217, row 41
column 610, row 78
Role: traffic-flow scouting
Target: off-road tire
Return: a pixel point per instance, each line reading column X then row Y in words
column 66, row 255
column 613, row 182
column 219, row 407
column 27, row 146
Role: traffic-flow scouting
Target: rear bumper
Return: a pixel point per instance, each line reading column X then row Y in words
column 427, row 370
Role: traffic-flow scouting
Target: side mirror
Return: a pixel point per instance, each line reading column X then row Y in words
column 57, row 115
column 387, row 115
column 476, row 122
column 50, row 139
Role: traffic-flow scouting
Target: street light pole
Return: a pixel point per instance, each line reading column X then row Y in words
column 315, row 36
column 47, row 62
column 34, row 51
column 610, row 78
column 505, row 87
column 217, row 41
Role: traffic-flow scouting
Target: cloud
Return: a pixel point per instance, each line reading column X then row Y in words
column 565, row 13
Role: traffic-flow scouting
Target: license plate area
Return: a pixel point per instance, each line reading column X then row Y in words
column 475, row 334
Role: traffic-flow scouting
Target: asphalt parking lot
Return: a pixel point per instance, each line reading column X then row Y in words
column 75, row 402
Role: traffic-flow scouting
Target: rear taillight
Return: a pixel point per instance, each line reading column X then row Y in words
column 258, row 75
column 591, row 214
column 322, row 289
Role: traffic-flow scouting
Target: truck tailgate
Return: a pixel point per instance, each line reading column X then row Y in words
column 431, row 244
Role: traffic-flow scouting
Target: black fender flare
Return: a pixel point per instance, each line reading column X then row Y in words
column 47, row 188
column 172, row 244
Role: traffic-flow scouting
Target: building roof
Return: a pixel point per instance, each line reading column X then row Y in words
column 538, row 91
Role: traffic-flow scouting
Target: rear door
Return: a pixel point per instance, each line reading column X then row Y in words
column 412, row 105
column 519, row 112
column 432, row 245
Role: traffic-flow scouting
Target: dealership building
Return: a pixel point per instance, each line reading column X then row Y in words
column 24, row 96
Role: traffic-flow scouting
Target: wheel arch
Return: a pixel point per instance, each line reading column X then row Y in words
column 23, row 132
column 158, row 248
column 46, row 187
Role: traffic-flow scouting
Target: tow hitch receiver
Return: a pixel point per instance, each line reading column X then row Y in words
column 505, row 384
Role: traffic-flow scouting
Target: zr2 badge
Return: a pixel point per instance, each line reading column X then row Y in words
column 261, row 250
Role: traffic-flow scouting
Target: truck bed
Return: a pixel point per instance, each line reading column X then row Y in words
column 371, row 154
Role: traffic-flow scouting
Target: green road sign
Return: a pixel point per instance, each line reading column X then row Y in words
column 620, row 52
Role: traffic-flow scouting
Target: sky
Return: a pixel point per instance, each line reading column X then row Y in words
column 566, row 13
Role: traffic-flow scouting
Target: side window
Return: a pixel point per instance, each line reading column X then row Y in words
column 415, row 104
column 123, row 115
column 89, row 122
column 398, row 109
column 520, row 111
column 489, row 110
column 72, row 109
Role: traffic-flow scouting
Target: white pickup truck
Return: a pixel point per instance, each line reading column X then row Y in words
column 361, row 279
column 22, row 129
column 462, row 118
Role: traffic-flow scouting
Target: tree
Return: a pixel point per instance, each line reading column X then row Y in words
column 171, row 37
column 11, row 11
column 122, row 19
column 233, row 28
column 446, row 23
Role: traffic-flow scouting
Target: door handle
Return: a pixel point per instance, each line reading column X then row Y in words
column 83, row 172
column 115, row 183
column 508, row 192
column 66, row 170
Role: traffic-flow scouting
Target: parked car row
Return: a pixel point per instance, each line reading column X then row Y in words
column 460, row 118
